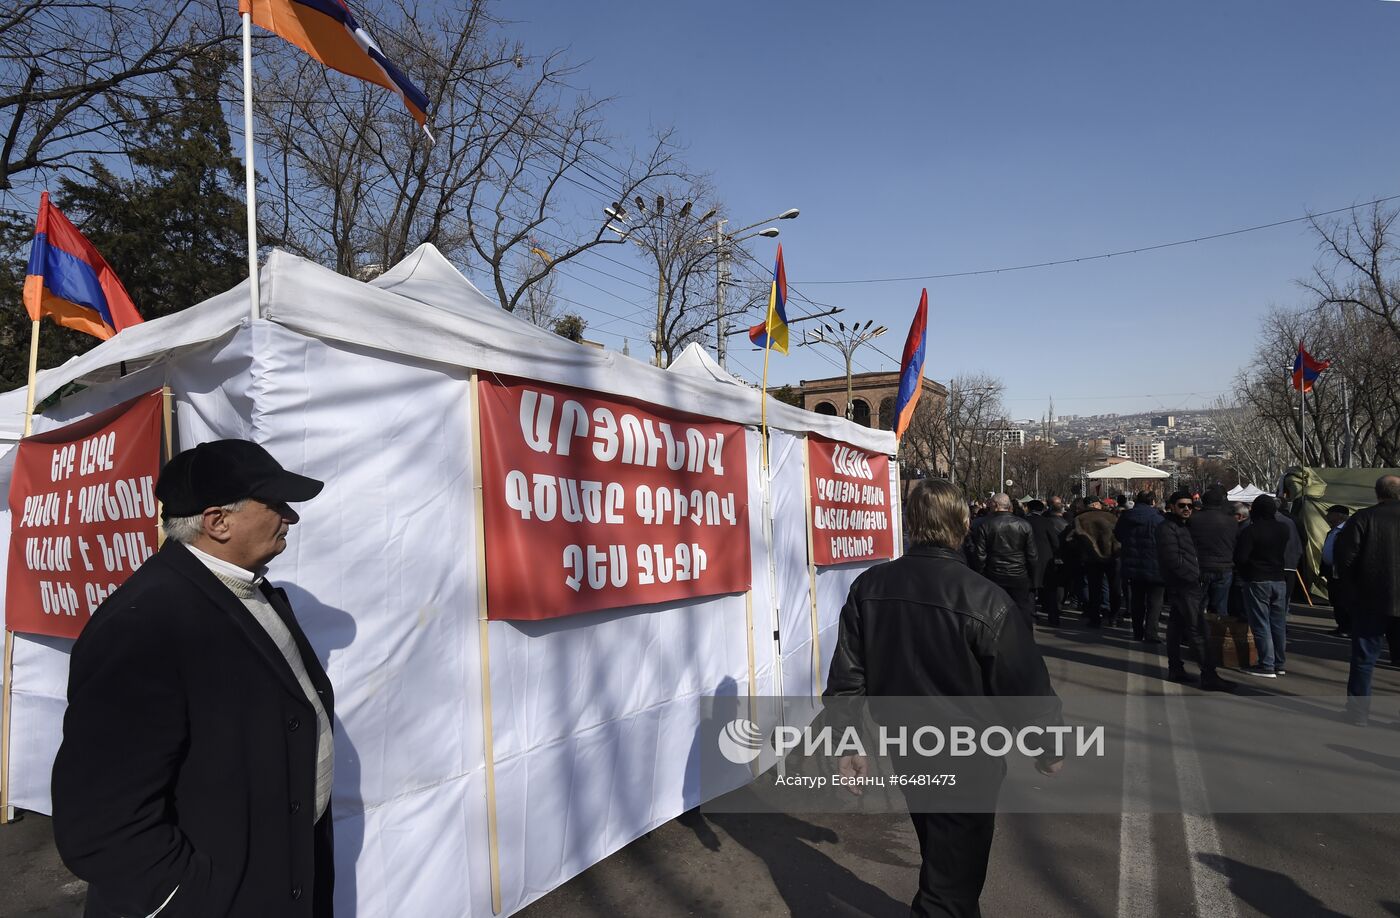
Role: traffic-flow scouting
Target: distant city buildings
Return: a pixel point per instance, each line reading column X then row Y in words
column 1164, row 420
column 1144, row 449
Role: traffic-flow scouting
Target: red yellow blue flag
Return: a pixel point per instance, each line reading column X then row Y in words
column 772, row 333
column 911, row 369
column 1306, row 370
column 328, row 31
column 70, row 282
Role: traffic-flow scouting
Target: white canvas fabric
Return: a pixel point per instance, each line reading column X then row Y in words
column 596, row 717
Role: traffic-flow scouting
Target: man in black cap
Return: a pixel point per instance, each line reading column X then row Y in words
column 194, row 776
column 1181, row 570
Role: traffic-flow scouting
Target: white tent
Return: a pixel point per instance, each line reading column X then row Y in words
column 1244, row 494
column 596, row 716
column 1127, row 471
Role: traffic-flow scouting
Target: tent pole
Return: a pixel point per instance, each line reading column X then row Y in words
column 748, row 634
column 5, row 814
column 484, row 648
column 811, row 568
column 254, row 311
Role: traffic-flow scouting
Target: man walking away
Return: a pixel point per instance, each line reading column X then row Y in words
column 1137, row 533
column 1049, row 526
column 1215, row 532
column 1260, row 558
column 1336, row 590
column 924, row 625
column 1098, row 553
column 1003, row 551
column 1181, row 570
column 1366, row 560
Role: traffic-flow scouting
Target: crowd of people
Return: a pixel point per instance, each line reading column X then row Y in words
column 1104, row 556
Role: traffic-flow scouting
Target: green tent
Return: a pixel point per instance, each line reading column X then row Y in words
column 1310, row 492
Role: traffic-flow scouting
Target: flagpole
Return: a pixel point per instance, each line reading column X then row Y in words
column 254, row 311
column 763, row 395
column 33, row 376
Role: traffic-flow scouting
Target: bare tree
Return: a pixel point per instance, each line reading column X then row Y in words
column 72, row 74
column 520, row 161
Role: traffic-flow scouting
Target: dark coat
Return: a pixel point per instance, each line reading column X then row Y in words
column 189, row 756
column 1093, row 534
column 1215, row 531
column 1137, row 533
column 924, row 624
column 1003, row 548
column 1262, row 551
column 1049, row 535
column 1176, row 554
column 1365, row 558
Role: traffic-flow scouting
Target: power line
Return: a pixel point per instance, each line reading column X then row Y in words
column 1084, row 258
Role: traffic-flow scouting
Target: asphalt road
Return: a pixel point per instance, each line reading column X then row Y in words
column 728, row 864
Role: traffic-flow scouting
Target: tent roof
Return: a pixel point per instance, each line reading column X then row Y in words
column 423, row 308
column 1128, row 471
column 1246, row 493
column 696, row 361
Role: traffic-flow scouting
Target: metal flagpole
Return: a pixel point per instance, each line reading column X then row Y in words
column 254, row 311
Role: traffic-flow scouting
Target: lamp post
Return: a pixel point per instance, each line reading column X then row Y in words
column 847, row 340
column 723, row 241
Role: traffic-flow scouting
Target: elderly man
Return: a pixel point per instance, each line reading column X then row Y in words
column 1003, row 551
column 925, row 626
column 1365, row 560
column 194, row 777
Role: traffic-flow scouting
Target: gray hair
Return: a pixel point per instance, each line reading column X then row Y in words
column 185, row 529
column 1001, row 501
column 1240, row 507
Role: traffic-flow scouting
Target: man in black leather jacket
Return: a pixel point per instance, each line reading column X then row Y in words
column 925, row 625
column 1003, row 551
column 1181, row 569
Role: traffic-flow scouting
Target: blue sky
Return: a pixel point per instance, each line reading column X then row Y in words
column 929, row 138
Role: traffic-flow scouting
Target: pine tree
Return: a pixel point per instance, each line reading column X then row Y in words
column 173, row 230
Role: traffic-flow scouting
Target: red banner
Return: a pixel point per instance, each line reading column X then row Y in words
column 594, row 502
column 852, row 507
column 82, row 515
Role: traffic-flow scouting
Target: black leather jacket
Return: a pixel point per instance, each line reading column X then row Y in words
column 924, row 624
column 1176, row 553
column 1003, row 548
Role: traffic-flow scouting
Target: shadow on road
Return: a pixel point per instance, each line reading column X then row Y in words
column 809, row 882
column 1268, row 891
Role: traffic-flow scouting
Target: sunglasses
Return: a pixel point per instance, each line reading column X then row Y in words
column 1183, row 505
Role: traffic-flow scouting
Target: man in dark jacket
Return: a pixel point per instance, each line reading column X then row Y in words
column 1048, row 526
column 1181, row 570
column 1136, row 532
column 194, row 777
column 1215, row 530
column 1003, row 551
column 925, row 625
column 1098, row 554
column 1260, row 562
column 1365, row 557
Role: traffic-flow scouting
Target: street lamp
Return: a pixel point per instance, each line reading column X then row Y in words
column 722, row 242
column 847, row 340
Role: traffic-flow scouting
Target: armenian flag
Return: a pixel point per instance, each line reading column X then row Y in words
column 772, row 333
column 911, row 369
column 327, row 30
column 69, row 282
column 1306, row 370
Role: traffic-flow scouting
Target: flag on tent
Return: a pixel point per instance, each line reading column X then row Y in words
column 911, row 369
column 70, row 282
column 327, row 30
column 772, row 333
column 1306, row 370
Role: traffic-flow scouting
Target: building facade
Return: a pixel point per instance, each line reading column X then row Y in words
column 872, row 397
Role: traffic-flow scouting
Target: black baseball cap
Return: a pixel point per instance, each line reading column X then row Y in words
column 226, row 471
